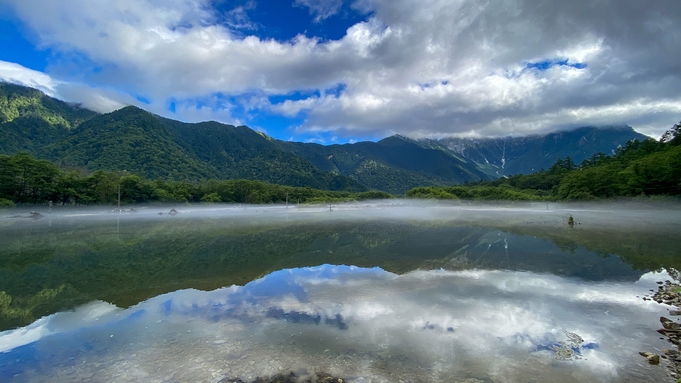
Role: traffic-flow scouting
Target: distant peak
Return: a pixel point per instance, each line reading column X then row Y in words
column 131, row 108
column 396, row 137
column 621, row 127
column 401, row 137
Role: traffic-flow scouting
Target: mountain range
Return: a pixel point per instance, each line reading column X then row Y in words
column 140, row 142
column 524, row 155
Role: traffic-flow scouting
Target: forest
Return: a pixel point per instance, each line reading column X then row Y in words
column 639, row 168
column 26, row 180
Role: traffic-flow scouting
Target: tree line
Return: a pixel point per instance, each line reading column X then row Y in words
column 29, row 181
column 639, row 168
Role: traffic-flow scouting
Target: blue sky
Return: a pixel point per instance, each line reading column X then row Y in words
column 336, row 71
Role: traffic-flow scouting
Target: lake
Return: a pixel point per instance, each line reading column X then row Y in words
column 396, row 291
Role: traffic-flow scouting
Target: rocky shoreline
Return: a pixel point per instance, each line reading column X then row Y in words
column 668, row 293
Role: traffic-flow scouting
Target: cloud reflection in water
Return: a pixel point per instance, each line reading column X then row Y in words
column 358, row 322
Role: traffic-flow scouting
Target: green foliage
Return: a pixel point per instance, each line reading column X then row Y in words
column 211, row 198
column 138, row 142
column 639, row 168
column 394, row 164
column 127, row 139
column 430, row 193
column 30, row 120
column 374, row 194
column 134, row 140
column 26, row 180
column 18, row 101
column 238, row 152
column 482, row 193
column 5, row 203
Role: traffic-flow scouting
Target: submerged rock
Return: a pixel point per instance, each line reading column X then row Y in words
column 669, row 324
column 32, row 215
column 652, row 358
column 668, row 293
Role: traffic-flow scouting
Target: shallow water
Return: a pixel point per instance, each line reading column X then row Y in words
column 367, row 292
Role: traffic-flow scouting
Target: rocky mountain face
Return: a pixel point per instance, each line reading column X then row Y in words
column 523, row 155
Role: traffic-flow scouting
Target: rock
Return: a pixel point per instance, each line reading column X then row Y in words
column 652, row 358
column 675, row 312
column 669, row 324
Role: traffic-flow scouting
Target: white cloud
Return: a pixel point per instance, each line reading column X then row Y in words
column 443, row 322
column 427, row 68
column 292, row 108
column 105, row 100
column 321, row 9
column 96, row 99
column 17, row 74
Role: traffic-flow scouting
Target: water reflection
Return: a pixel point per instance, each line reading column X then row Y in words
column 365, row 324
column 46, row 267
column 438, row 292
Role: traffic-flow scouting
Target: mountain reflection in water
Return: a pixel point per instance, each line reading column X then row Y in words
column 471, row 296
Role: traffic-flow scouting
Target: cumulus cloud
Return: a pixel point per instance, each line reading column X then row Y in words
column 429, row 68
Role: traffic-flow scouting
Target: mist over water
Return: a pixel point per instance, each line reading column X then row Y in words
column 370, row 292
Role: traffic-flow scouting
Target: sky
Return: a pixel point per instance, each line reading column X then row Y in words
column 335, row 71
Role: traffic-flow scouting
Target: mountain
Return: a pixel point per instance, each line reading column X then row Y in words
column 29, row 119
column 127, row 139
column 394, row 164
column 135, row 140
column 524, row 155
column 240, row 152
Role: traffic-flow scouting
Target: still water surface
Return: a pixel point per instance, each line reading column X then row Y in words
column 370, row 293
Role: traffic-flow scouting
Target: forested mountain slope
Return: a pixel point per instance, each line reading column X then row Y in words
column 139, row 142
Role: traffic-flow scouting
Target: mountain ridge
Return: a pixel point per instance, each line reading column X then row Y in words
column 136, row 140
column 527, row 154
